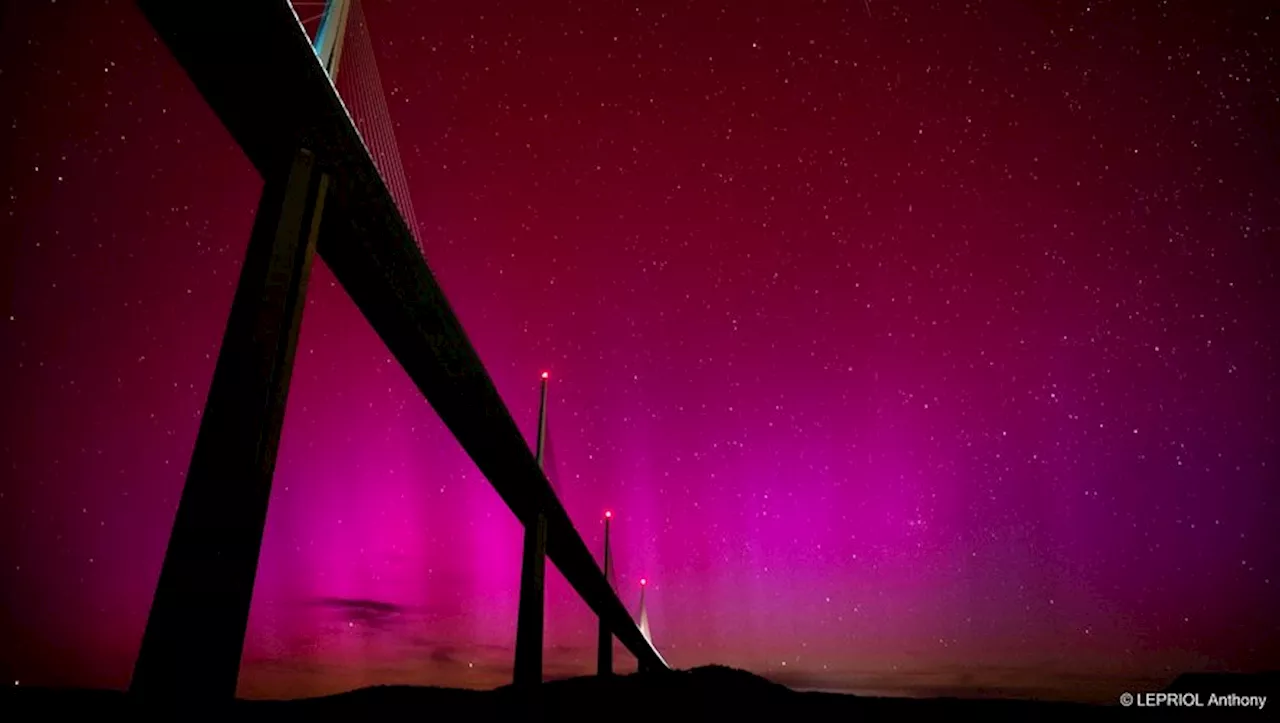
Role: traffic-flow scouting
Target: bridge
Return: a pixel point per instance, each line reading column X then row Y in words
column 274, row 88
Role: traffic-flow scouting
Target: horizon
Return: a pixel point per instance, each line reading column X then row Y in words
column 924, row 345
column 976, row 688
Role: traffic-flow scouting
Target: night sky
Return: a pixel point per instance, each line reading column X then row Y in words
column 919, row 347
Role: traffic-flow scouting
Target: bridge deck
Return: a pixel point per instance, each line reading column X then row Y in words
column 254, row 65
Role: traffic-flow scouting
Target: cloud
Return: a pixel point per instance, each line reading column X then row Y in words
column 379, row 614
column 422, row 641
column 398, row 644
column 444, row 654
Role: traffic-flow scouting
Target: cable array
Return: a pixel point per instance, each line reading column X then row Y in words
column 549, row 465
column 360, row 86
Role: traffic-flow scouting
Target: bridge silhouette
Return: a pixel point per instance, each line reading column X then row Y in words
column 273, row 87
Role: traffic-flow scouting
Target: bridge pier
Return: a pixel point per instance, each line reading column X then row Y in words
column 531, row 616
column 604, row 652
column 533, row 577
column 604, row 644
column 194, row 638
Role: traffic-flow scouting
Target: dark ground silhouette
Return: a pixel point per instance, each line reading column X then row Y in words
column 714, row 693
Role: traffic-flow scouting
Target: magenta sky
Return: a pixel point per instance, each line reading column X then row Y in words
column 926, row 349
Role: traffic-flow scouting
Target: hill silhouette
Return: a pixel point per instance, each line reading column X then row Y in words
column 714, row 693
column 1227, row 683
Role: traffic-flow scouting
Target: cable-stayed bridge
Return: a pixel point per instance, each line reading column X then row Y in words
column 324, row 144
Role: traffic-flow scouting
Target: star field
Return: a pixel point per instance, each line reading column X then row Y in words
column 918, row 347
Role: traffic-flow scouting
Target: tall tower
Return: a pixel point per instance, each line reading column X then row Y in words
column 194, row 637
column 644, row 614
column 644, row 626
column 533, row 575
column 604, row 649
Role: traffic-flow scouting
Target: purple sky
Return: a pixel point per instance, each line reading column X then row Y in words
column 922, row 349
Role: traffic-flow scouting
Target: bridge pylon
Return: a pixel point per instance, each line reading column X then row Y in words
column 531, row 617
column 604, row 647
column 194, row 638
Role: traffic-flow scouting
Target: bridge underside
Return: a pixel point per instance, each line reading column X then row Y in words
column 256, row 68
